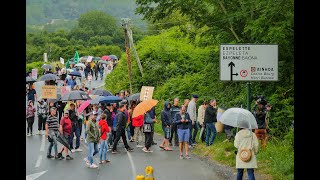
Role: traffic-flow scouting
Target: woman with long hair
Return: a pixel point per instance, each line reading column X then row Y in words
column 30, row 117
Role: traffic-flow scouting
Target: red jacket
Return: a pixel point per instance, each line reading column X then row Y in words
column 104, row 129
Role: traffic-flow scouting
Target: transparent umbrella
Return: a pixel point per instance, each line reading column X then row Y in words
column 239, row 117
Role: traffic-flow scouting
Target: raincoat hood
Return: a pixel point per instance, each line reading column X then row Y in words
column 165, row 106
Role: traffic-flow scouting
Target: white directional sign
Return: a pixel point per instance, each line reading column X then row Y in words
column 248, row 62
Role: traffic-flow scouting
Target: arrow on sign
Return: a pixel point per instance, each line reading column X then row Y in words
column 35, row 175
column 231, row 74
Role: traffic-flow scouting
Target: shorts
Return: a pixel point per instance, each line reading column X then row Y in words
column 68, row 137
column 166, row 132
column 183, row 135
column 260, row 133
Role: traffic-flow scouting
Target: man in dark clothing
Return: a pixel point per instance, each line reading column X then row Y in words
column 108, row 111
column 121, row 125
column 75, row 128
column 96, row 70
column 166, row 125
column 32, row 94
column 175, row 108
column 210, row 118
column 259, row 112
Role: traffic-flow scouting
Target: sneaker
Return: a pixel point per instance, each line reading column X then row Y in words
column 86, row 160
column 69, row 157
column 61, row 157
column 31, row 134
column 181, row 157
column 93, row 166
column 145, row 149
column 38, row 133
column 49, row 156
column 106, row 161
column 149, row 151
column 28, row 134
column 129, row 149
column 114, row 151
column 78, row 150
column 101, row 162
column 73, row 150
column 139, row 146
column 188, row 157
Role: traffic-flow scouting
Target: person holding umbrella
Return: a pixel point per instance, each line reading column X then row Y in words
column 148, row 129
column 52, row 131
column 92, row 139
column 65, row 129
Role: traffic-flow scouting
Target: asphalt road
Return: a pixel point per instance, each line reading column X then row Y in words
column 123, row 166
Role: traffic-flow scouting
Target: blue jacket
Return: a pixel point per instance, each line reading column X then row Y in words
column 183, row 125
column 166, row 115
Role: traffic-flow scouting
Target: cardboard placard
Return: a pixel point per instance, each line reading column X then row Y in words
column 49, row 92
column 146, row 93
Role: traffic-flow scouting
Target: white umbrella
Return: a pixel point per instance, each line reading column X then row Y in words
column 80, row 65
column 239, row 117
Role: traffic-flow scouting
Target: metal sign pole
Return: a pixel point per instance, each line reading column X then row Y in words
column 249, row 95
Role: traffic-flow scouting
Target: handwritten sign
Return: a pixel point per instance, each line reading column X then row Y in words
column 89, row 59
column 146, row 93
column 49, row 92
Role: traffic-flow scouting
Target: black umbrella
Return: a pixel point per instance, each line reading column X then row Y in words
column 135, row 97
column 75, row 73
column 96, row 58
column 54, row 100
column 48, row 77
column 61, row 139
column 46, row 66
column 101, row 92
column 30, row 80
column 113, row 57
column 75, row 95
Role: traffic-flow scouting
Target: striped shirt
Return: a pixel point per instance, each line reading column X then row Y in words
column 52, row 122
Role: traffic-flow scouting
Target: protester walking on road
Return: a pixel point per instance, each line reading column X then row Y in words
column 42, row 115
column 104, row 129
column 52, row 131
column 166, row 126
column 30, row 117
column 246, row 139
column 121, row 125
column 148, row 129
column 65, row 129
column 175, row 108
column 75, row 128
column 210, row 118
column 192, row 111
column 183, row 122
column 32, row 93
column 93, row 137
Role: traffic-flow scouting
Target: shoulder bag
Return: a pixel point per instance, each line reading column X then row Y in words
column 245, row 154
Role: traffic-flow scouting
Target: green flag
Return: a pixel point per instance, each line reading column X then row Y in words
column 76, row 58
column 68, row 64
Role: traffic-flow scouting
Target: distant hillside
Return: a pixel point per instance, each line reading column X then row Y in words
column 41, row 12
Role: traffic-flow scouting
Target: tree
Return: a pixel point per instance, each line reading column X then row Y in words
column 100, row 40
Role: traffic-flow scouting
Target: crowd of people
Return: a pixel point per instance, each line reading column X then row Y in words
column 105, row 124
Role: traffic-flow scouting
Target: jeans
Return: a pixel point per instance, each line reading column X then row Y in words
column 137, row 131
column 128, row 132
column 41, row 122
column 30, row 121
column 148, row 139
column 93, row 150
column 250, row 172
column 84, row 132
column 210, row 128
column 195, row 131
column 174, row 132
column 53, row 134
column 75, row 129
column 120, row 133
column 103, row 152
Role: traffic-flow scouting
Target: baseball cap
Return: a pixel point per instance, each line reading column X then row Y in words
column 195, row 96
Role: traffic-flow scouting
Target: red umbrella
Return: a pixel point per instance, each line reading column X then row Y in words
column 106, row 58
column 84, row 105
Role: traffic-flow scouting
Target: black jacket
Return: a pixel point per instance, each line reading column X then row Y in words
column 166, row 115
column 121, row 120
column 109, row 120
column 210, row 114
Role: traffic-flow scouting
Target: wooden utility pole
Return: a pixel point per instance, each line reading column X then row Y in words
column 125, row 22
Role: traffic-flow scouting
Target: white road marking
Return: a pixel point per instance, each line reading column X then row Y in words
column 133, row 168
column 35, row 175
column 43, row 143
column 38, row 161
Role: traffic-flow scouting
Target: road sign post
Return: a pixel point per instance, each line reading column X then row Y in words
column 249, row 62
